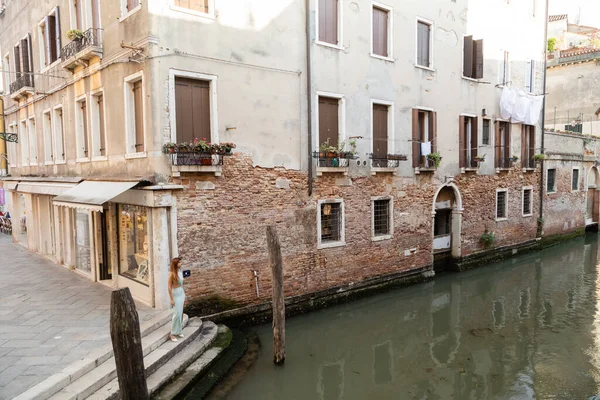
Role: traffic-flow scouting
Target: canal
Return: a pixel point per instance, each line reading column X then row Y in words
column 525, row 328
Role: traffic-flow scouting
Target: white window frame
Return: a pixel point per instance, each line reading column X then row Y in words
column 214, row 109
column 505, row 206
column 12, row 153
column 341, row 116
column 390, row 121
column 24, row 142
column 430, row 67
column 530, row 76
column 578, row 180
column 210, row 14
column 86, row 15
column 55, row 120
column 390, row 12
column 342, row 241
column 42, row 40
column 130, row 116
column 6, row 69
column 95, row 125
column 546, row 185
column 47, row 130
column 491, row 129
column 79, row 131
column 128, row 13
column 390, row 235
column 33, row 144
column 339, row 45
column 505, row 68
column 530, row 201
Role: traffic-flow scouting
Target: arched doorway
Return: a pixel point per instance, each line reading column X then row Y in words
column 593, row 186
column 447, row 221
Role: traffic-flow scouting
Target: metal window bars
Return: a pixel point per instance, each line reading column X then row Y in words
column 191, row 158
column 331, row 222
column 501, row 205
column 91, row 37
column 471, row 161
column 381, row 217
column 527, row 201
column 25, row 80
column 503, row 158
column 386, row 160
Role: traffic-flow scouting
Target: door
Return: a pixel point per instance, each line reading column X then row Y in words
column 442, row 233
column 105, row 270
column 380, row 135
column 589, row 217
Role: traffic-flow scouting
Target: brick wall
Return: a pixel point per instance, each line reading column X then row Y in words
column 222, row 222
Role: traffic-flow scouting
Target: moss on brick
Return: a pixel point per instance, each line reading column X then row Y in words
column 211, row 305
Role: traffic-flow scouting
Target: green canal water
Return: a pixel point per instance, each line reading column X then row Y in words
column 521, row 329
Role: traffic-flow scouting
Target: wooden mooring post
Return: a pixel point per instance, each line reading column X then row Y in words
column 127, row 346
column 278, row 296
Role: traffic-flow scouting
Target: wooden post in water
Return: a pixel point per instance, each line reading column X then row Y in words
column 127, row 346
column 278, row 305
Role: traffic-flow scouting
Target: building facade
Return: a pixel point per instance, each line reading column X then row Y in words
column 369, row 133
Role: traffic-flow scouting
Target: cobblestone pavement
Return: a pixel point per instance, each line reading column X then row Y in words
column 49, row 318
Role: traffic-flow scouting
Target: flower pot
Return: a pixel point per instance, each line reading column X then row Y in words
column 171, row 150
column 331, row 154
column 206, row 160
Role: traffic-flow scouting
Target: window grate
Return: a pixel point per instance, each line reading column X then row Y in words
column 551, row 183
column 527, row 202
column 575, row 180
column 485, row 138
column 501, row 205
column 331, row 222
column 381, row 217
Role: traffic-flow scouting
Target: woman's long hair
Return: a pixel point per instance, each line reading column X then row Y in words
column 174, row 273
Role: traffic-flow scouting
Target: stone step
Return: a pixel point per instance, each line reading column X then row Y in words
column 178, row 363
column 76, row 370
column 157, row 350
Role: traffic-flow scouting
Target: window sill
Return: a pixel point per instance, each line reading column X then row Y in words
column 466, row 78
column 498, row 170
column 527, row 215
column 48, row 67
column 130, row 13
column 553, row 192
column 529, row 169
column 384, row 58
column 382, row 237
column 501, row 219
column 130, row 156
column 330, row 45
column 100, row 158
column 330, row 245
column 464, row 170
column 208, row 169
column 209, row 15
column 33, row 164
column 419, row 170
column 49, row 163
column 82, row 160
column 379, row 170
column 332, row 170
column 425, row 68
column 60, row 162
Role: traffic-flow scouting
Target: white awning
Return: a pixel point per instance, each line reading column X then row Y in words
column 91, row 195
column 47, row 188
column 10, row 185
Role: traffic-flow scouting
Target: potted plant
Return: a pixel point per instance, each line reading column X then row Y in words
column 479, row 158
column 513, row 159
column 227, row 147
column 201, row 146
column 487, row 238
column 435, row 158
column 75, row 34
column 184, row 147
column 169, row 148
column 539, row 157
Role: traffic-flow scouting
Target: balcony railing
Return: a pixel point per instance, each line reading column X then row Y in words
column 333, row 160
column 25, row 80
column 386, row 160
column 196, row 159
column 90, row 38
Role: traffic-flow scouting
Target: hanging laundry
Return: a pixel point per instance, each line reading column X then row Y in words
column 520, row 107
column 425, row 149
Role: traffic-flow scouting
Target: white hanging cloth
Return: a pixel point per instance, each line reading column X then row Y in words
column 520, row 107
column 425, row 149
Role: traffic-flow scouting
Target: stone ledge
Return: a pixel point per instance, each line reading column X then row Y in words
column 332, row 170
column 379, row 170
column 202, row 169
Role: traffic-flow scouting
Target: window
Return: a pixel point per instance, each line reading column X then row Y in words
column 504, row 69
column 329, row 121
column 530, row 76
column 33, row 156
column 382, row 218
column 424, row 44
column 503, row 145
column 59, row 139
column 200, row 7
column 424, row 133
column 380, row 137
column 328, row 28
column 77, row 14
column 501, row 204
column 7, row 75
column 575, row 180
column 551, row 181
column 23, row 62
column 192, row 101
column 527, row 201
column 191, row 4
column 134, row 243
column 485, row 135
column 331, row 223
column 24, row 143
column 468, row 142
column 528, row 146
column 81, row 129
column 472, row 58
column 382, row 31
column 134, row 109
column 49, row 34
column 12, row 153
column 98, row 129
column 83, row 245
column 48, row 137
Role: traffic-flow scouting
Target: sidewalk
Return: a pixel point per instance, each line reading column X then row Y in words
column 49, row 318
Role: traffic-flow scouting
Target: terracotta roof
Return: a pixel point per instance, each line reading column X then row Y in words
column 554, row 18
column 576, row 51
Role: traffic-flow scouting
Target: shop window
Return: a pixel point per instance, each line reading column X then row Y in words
column 82, row 230
column 133, row 243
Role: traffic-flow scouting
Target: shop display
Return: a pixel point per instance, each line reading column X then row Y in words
column 133, row 242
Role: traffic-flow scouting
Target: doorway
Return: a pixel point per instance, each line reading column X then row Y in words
column 447, row 220
column 102, row 249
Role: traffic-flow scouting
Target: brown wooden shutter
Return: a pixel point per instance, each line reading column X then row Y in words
column 17, row 55
column 380, row 129
column 433, row 130
column 78, row 11
column 192, row 103
column 524, row 133
column 468, row 57
column 497, row 143
column 416, row 139
column 201, row 109
column 329, row 121
column 100, row 100
column 380, row 32
column 474, row 137
column 47, row 43
column 29, row 56
column 24, row 56
column 85, row 131
column 478, row 58
column 131, row 4
column 57, row 32
column 139, row 116
column 51, row 39
column 531, row 142
column 423, row 42
column 462, row 143
column 328, row 21
column 95, row 14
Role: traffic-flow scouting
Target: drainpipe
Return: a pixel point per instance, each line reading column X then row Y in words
column 542, row 150
column 309, row 96
column 3, row 146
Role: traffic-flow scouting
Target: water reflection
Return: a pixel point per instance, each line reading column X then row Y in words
column 526, row 328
